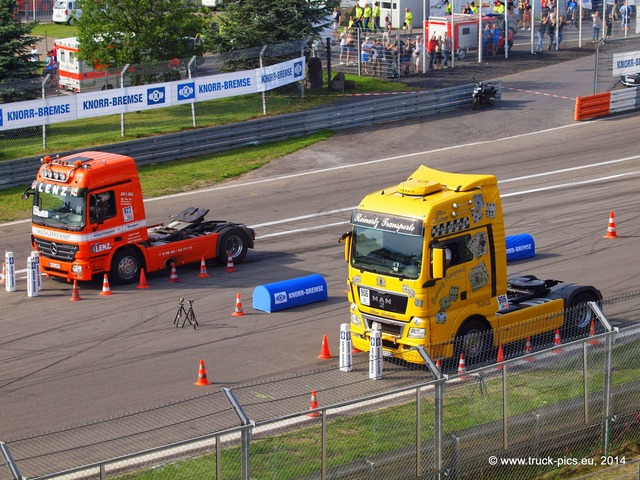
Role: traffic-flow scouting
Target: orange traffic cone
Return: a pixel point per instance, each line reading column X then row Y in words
column 75, row 293
column 4, row 273
column 174, row 274
column 314, row 405
column 611, row 228
column 143, row 280
column 462, row 368
column 557, row 341
column 592, row 333
column 202, row 376
column 500, row 357
column 203, row 269
column 105, row 286
column 527, row 350
column 230, row 267
column 238, row 312
column 324, row 352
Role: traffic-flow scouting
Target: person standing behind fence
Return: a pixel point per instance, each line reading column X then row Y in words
column 597, row 25
column 337, row 17
column 551, row 31
column 34, row 54
column 365, row 55
column 624, row 17
column 608, row 23
column 540, row 31
column 376, row 18
column 377, row 55
column 418, row 52
column 388, row 28
column 560, row 36
column 359, row 14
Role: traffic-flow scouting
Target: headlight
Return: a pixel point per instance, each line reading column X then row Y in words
column 416, row 333
column 77, row 269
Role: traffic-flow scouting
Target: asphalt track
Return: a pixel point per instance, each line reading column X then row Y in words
column 65, row 363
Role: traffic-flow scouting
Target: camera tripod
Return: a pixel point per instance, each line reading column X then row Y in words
column 185, row 315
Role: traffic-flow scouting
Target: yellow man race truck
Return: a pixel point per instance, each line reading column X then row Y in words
column 88, row 218
column 428, row 265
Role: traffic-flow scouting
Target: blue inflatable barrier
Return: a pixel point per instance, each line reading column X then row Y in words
column 520, row 247
column 290, row 293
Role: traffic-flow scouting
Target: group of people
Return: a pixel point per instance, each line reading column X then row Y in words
column 399, row 57
column 366, row 18
column 493, row 39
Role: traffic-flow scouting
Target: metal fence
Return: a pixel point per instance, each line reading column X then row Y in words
column 569, row 409
column 217, row 139
column 608, row 70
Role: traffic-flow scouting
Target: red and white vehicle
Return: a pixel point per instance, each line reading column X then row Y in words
column 78, row 76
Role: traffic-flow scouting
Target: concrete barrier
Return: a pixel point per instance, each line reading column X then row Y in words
column 291, row 293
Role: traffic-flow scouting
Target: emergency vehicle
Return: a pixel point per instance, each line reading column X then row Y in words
column 79, row 76
column 428, row 267
column 88, row 218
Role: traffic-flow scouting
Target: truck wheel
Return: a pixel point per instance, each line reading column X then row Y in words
column 579, row 315
column 234, row 241
column 125, row 266
column 475, row 340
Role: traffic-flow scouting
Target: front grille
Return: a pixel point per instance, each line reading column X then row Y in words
column 58, row 251
column 388, row 327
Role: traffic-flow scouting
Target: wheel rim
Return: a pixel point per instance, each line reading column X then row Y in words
column 473, row 344
column 581, row 316
column 235, row 245
column 127, row 268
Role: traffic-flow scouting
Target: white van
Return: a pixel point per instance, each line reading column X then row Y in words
column 64, row 11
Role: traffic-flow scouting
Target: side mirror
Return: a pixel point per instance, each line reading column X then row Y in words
column 346, row 239
column 437, row 263
column 27, row 193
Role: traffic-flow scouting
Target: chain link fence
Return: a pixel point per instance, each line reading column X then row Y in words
column 556, row 407
column 615, row 58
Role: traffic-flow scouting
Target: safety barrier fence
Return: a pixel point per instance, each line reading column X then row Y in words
column 603, row 104
column 217, row 139
column 571, row 406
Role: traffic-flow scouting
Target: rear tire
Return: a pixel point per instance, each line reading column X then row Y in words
column 474, row 103
column 235, row 241
column 579, row 316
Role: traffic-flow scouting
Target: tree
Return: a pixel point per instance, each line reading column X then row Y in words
column 252, row 23
column 15, row 58
column 137, row 31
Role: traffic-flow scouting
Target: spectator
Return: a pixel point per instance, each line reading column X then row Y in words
column 343, row 45
column 551, row 31
column 597, row 25
column 34, row 54
column 352, row 24
column 438, row 63
column 365, row 55
column 571, row 13
column 625, row 10
column 541, row 30
column 337, row 17
column 448, row 9
column 359, row 14
column 467, row 9
column 377, row 55
column 389, row 56
column 560, row 36
column 446, row 49
column 368, row 12
column 486, row 38
column 474, row 9
column 406, row 56
column 609, row 25
column 387, row 30
column 431, row 50
column 351, row 48
column 376, row 17
column 526, row 16
column 408, row 19
column 495, row 41
column 418, row 52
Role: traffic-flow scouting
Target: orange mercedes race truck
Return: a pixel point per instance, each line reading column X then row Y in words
column 88, row 218
column 427, row 265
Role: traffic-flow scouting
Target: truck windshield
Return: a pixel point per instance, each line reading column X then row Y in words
column 387, row 253
column 59, row 211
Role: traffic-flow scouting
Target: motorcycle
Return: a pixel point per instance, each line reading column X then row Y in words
column 483, row 95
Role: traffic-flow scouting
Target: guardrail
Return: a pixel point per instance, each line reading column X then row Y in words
column 202, row 141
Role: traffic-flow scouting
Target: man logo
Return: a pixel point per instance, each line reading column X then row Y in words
column 155, row 96
column 186, row 91
column 280, row 297
column 298, row 71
